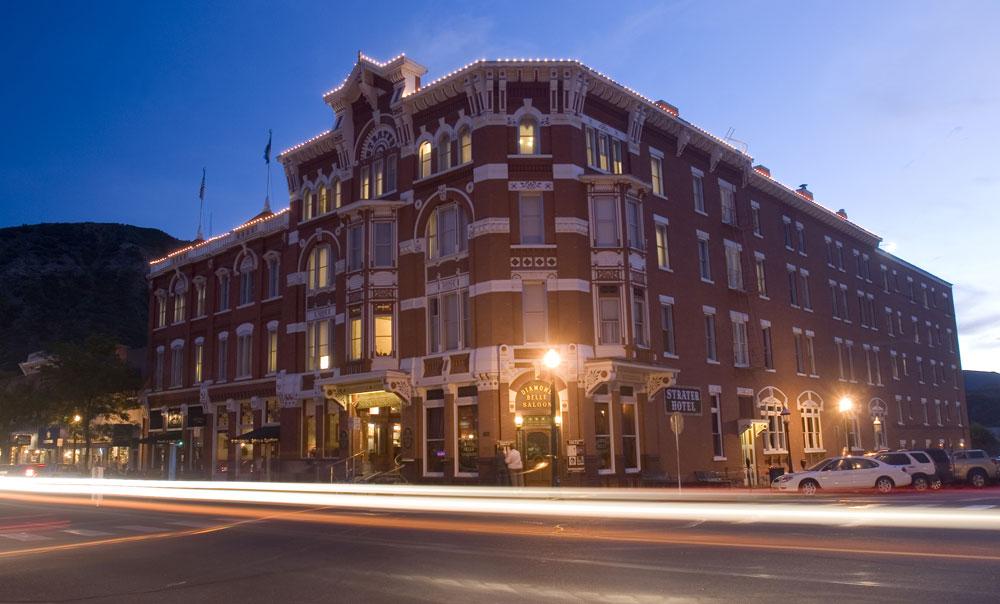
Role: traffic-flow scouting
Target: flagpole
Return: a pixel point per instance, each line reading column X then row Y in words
column 201, row 205
column 267, row 160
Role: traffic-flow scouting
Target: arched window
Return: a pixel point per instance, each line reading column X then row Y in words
column 180, row 300
column 425, row 159
column 246, row 280
column 464, row 146
column 337, row 197
column 273, row 276
column 319, row 268
column 772, row 402
column 161, row 308
column 810, row 404
column 308, row 210
column 527, row 136
column 447, row 231
column 444, row 153
column 324, row 200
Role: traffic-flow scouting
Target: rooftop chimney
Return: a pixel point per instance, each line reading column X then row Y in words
column 671, row 109
column 842, row 213
column 763, row 170
column 805, row 192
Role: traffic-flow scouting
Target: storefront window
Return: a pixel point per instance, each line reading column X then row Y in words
column 222, row 447
column 273, row 411
column 629, row 437
column 311, row 436
column 602, row 430
column 468, row 438
column 434, row 450
column 331, row 433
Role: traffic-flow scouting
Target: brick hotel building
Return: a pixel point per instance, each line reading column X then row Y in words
column 443, row 236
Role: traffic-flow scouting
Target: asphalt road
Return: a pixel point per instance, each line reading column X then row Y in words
column 69, row 550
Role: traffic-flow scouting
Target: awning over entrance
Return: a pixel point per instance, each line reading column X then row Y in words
column 653, row 378
column 375, row 389
column 162, row 437
column 264, row 434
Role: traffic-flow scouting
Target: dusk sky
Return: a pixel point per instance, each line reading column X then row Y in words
column 890, row 110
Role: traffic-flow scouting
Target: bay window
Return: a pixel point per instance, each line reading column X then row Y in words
column 318, row 345
column 532, row 218
column 383, row 243
column 609, row 314
column 383, row 330
column 605, row 219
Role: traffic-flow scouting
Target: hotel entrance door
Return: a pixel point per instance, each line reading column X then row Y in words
column 380, row 438
column 536, row 453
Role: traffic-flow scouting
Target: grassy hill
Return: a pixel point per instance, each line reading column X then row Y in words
column 65, row 281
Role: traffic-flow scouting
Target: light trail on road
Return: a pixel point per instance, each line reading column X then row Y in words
column 575, row 503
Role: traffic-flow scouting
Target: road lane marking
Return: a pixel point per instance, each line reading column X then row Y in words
column 86, row 533
column 24, row 536
column 978, row 507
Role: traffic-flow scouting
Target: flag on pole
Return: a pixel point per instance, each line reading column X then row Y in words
column 267, row 149
column 201, row 189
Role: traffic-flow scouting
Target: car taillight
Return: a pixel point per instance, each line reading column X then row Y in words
column 29, row 472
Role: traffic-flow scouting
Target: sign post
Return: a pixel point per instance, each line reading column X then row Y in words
column 677, row 426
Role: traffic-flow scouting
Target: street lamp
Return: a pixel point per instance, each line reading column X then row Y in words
column 846, row 406
column 77, row 418
column 877, row 424
column 552, row 360
column 788, row 440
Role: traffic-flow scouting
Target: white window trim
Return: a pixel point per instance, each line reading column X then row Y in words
column 464, row 401
column 423, row 437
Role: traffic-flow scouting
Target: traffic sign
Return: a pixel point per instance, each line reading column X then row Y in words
column 677, row 423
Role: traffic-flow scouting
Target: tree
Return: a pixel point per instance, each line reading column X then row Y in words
column 983, row 439
column 92, row 381
column 22, row 406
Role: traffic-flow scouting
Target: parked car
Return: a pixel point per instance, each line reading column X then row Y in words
column 22, row 470
column 847, row 473
column 975, row 467
column 942, row 464
column 61, row 470
column 917, row 464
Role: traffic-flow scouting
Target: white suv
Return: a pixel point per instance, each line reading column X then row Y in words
column 915, row 463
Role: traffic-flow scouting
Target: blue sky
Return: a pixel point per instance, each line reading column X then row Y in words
column 888, row 109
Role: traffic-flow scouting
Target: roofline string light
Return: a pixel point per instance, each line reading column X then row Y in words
column 232, row 231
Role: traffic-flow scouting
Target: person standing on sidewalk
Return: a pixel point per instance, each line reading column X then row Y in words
column 514, row 467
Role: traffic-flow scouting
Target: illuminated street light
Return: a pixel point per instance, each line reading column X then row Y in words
column 77, row 419
column 518, row 420
column 846, row 406
column 551, row 358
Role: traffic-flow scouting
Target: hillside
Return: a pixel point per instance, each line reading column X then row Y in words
column 65, row 281
column 982, row 394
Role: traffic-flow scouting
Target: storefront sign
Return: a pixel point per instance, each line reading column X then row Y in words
column 575, row 454
column 536, row 394
column 683, row 400
column 21, row 440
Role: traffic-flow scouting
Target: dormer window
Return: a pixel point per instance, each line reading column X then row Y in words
column 527, row 136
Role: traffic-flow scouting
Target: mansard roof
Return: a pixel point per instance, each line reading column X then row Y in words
column 479, row 75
